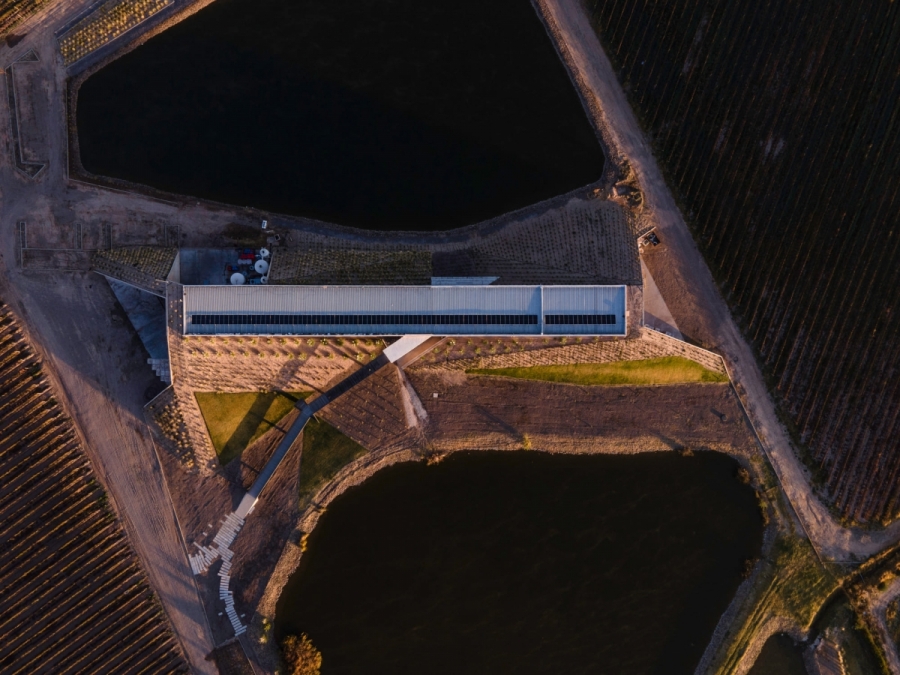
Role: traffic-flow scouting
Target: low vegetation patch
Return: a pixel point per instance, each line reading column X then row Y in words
column 234, row 421
column 325, row 452
column 860, row 649
column 793, row 585
column 665, row 370
column 109, row 21
column 892, row 617
column 300, row 655
column 14, row 12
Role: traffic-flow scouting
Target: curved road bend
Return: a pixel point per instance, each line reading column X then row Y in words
column 708, row 311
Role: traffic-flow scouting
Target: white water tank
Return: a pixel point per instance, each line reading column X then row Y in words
column 264, row 253
column 237, row 279
column 264, row 280
column 261, row 266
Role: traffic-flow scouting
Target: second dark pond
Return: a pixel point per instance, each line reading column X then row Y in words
column 383, row 114
column 524, row 562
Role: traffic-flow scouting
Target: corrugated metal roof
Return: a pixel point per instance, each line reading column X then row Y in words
column 367, row 299
column 421, row 301
column 584, row 300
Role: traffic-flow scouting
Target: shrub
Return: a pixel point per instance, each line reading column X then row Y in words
column 300, row 655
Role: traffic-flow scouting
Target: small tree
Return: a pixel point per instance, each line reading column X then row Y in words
column 300, row 655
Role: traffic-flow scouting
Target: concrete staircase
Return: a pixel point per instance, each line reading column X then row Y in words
column 161, row 368
column 206, row 556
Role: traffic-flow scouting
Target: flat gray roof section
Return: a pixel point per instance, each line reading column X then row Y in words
column 400, row 310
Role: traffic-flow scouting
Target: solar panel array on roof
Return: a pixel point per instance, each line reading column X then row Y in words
column 579, row 319
column 394, row 310
column 373, row 319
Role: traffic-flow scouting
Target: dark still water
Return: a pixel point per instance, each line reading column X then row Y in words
column 526, row 563
column 385, row 114
column 779, row 656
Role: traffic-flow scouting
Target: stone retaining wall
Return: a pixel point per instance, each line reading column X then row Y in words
column 249, row 363
column 650, row 345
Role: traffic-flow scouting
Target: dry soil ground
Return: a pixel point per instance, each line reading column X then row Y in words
column 479, row 412
column 86, row 343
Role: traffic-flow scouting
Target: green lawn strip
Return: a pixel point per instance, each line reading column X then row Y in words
column 665, row 370
column 325, row 452
column 234, row 421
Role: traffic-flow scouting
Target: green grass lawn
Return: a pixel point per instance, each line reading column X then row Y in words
column 666, row 370
column 325, row 452
column 234, row 421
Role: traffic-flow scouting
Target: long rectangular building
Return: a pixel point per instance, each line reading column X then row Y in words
column 395, row 310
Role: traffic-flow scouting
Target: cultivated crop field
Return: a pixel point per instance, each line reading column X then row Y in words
column 14, row 12
column 111, row 20
column 72, row 597
column 777, row 124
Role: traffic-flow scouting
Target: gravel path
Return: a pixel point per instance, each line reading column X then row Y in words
column 690, row 292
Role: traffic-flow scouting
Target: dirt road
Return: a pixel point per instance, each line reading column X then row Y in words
column 74, row 321
column 688, row 288
column 101, row 372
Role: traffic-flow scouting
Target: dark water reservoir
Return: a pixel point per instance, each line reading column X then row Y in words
column 526, row 563
column 385, row 114
column 779, row 656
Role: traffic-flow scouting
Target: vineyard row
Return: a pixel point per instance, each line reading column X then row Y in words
column 777, row 124
column 72, row 596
